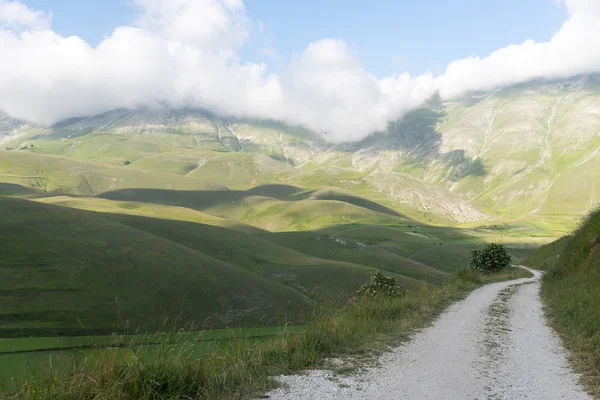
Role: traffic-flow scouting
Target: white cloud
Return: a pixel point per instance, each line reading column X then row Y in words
column 573, row 50
column 185, row 53
column 15, row 15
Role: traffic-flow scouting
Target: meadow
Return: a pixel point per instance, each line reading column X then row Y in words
column 225, row 364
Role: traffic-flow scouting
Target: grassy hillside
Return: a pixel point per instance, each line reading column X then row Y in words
column 72, row 271
column 59, row 174
column 571, row 291
column 271, row 207
column 184, row 365
column 127, row 265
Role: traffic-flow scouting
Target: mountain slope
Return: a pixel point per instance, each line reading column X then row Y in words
column 520, row 152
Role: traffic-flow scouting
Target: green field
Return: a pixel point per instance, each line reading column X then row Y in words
column 144, row 221
column 146, row 258
column 44, row 356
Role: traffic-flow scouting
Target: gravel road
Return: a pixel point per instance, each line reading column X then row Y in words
column 494, row 344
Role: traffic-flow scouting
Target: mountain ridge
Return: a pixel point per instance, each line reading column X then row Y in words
column 508, row 152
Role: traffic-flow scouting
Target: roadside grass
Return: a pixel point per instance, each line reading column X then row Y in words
column 571, row 293
column 363, row 328
column 505, row 274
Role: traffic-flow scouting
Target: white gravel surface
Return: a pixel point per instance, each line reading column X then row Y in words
column 494, row 344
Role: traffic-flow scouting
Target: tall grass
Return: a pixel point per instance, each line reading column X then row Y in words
column 571, row 292
column 247, row 367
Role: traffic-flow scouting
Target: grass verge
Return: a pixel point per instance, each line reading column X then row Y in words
column 571, row 294
column 176, row 371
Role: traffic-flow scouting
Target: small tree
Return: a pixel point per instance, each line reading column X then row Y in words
column 381, row 286
column 127, row 162
column 491, row 259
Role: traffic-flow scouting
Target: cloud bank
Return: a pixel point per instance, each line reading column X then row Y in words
column 185, row 53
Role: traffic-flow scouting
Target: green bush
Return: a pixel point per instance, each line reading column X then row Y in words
column 381, row 286
column 489, row 260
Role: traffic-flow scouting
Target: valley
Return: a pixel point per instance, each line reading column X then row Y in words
column 136, row 200
column 160, row 220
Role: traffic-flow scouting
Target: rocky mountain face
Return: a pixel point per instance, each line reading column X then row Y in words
column 530, row 150
column 9, row 127
column 200, row 129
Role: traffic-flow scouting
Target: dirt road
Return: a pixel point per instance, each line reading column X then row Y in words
column 495, row 344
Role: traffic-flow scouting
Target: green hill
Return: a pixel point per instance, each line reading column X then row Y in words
column 271, row 207
column 142, row 266
column 571, row 291
column 59, row 174
column 202, row 201
column 71, row 271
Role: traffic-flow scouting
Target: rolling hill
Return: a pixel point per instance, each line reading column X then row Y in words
column 135, row 266
column 119, row 220
column 510, row 153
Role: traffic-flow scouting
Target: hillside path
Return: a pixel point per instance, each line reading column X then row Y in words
column 494, row 344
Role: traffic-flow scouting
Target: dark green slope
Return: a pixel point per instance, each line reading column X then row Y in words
column 337, row 275
column 327, row 245
column 71, row 271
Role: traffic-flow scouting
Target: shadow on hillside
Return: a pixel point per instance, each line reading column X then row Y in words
column 417, row 137
column 205, row 199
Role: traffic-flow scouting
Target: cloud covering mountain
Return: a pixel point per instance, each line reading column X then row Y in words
column 187, row 53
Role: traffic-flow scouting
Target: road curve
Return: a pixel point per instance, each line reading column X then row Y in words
column 494, row 344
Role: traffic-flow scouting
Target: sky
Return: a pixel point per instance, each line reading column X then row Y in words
column 341, row 67
column 388, row 37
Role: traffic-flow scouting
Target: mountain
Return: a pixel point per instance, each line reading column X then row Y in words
column 10, row 127
column 529, row 151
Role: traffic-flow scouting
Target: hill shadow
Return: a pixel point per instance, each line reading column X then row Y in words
column 204, row 199
column 416, row 135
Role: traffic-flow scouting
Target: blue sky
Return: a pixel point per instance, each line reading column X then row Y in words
column 387, row 36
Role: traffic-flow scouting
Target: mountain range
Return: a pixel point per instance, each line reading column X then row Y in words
column 527, row 151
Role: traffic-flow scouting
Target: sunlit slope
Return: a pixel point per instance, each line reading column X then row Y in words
column 530, row 151
column 161, row 128
column 146, row 210
column 59, row 174
column 235, row 169
column 265, row 208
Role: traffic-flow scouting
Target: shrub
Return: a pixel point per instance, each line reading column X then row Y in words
column 127, row 162
column 491, row 259
column 381, row 286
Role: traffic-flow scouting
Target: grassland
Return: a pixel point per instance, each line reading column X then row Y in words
column 180, row 370
column 38, row 356
column 76, row 272
column 253, row 257
column 135, row 266
column 58, row 174
column 144, row 221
